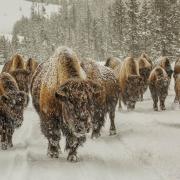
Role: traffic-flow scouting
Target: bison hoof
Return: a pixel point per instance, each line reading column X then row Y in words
column 120, row 109
column 4, row 146
column 10, row 145
column 155, row 109
column 95, row 135
column 72, row 158
column 163, row 108
column 53, row 155
column 112, row 132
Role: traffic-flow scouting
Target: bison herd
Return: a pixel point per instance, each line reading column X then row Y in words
column 72, row 97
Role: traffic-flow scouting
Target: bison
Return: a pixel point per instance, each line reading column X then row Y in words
column 108, row 98
column 12, row 104
column 16, row 67
column 63, row 99
column 130, row 82
column 158, row 85
column 164, row 62
column 144, row 70
column 177, row 81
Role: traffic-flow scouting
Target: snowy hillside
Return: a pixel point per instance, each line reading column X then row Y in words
column 146, row 147
column 13, row 10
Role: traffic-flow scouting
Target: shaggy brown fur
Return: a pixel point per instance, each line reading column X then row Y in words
column 15, row 63
column 31, row 65
column 22, row 78
column 176, row 68
column 130, row 82
column 12, row 103
column 166, row 65
column 158, row 85
column 144, row 55
column 144, row 71
column 112, row 62
column 177, row 89
column 63, row 100
column 109, row 95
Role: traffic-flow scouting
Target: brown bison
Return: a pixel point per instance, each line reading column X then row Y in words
column 64, row 101
column 166, row 65
column 12, row 103
column 112, row 62
column 144, row 70
column 158, row 85
column 130, row 82
column 107, row 101
column 16, row 68
column 177, row 81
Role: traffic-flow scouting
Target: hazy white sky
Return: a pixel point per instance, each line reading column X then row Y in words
column 12, row 10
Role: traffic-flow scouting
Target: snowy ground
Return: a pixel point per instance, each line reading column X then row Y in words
column 146, row 147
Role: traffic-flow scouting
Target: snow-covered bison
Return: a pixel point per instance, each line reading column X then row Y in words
column 12, row 104
column 107, row 101
column 64, row 101
column 177, row 81
column 112, row 62
column 130, row 82
column 144, row 70
column 166, row 65
column 16, row 68
column 158, row 85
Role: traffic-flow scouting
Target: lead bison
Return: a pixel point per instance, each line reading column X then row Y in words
column 130, row 82
column 158, row 85
column 107, row 101
column 64, row 101
column 12, row 104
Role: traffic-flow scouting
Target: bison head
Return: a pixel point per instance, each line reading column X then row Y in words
column 134, row 84
column 145, row 72
column 76, row 97
column 13, row 103
column 22, row 78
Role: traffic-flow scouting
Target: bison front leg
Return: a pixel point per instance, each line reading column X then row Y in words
column 162, row 102
column 112, row 130
column 72, row 144
column 52, row 132
column 10, row 132
column 98, row 122
column 154, row 96
column 4, row 141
